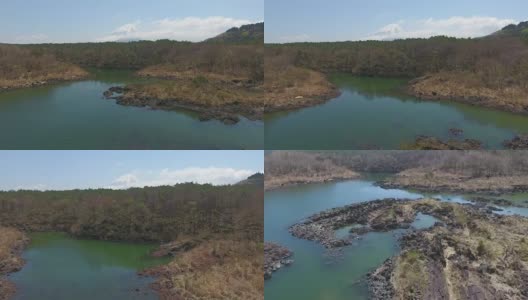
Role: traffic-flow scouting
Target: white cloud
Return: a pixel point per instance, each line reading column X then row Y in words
column 127, row 28
column 34, row 38
column 187, row 29
column 36, row 187
column 295, row 38
column 213, row 175
column 461, row 27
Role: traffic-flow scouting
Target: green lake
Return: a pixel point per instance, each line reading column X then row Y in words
column 59, row 267
column 316, row 276
column 374, row 113
column 74, row 115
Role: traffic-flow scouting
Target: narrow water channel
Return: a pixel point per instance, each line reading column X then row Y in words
column 315, row 277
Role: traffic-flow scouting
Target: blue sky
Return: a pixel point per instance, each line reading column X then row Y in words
column 36, row 21
column 60, row 170
column 331, row 20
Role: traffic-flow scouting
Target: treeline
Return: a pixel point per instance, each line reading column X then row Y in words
column 183, row 56
column 295, row 163
column 139, row 214
column 496, row 60
column 472, row 163
column 17, row 62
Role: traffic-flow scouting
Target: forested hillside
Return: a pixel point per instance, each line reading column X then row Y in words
column 139, row 214
column 234, row 55
column 246, row 34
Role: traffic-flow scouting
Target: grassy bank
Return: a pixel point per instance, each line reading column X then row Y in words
column 12, row 242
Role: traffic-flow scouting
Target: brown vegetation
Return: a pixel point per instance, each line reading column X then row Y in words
column 12, row 242
column 20, row 68
column 285, row 168
column 475, row 255
column 489, row 71
column 217, row 81
column 432, row 143
column 464, row 86
column 457, row 171
column 223, row 100
column 163, row 213
column 291, row 87
column 214, row 232
column 214, row 270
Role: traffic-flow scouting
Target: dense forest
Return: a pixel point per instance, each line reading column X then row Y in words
column 162, row 213
column 238, row 53
column 491, row 57
column 183, row 56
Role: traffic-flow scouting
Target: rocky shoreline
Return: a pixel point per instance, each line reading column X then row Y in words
column 275, row 257
column 519, row 142
column 228, row 114
column 13, row 242
column 23, row 84
column 380, row 215
column 468, row 254
column 299, row 101
column 433, row 143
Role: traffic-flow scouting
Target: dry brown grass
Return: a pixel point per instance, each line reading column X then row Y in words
column 218, row 269
column 294, row 87
column 61, row 72
column 12, row 241
column 474, row 256
column 469, row 88
column 288, row 168
column 170, row 71
column 431, row 179
column 198, row 91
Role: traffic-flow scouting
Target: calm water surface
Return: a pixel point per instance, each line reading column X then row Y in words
column 374, row 113
column 62, row 268
column 75, row 116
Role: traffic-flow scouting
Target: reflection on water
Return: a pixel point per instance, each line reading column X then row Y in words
column 74, row 115
column 62, row 268
column 374, row 113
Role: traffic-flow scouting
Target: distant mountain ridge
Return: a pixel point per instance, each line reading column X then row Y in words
column 246, row 34
column 256, row 179
column 520, row 29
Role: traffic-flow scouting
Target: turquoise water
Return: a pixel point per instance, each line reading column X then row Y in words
column 75, row 116
column 59, row 267
column 373, row 113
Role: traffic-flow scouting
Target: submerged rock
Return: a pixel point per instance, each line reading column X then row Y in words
column 520, row 142
column 275, row 257
column 432, row 143
column 456, row 131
